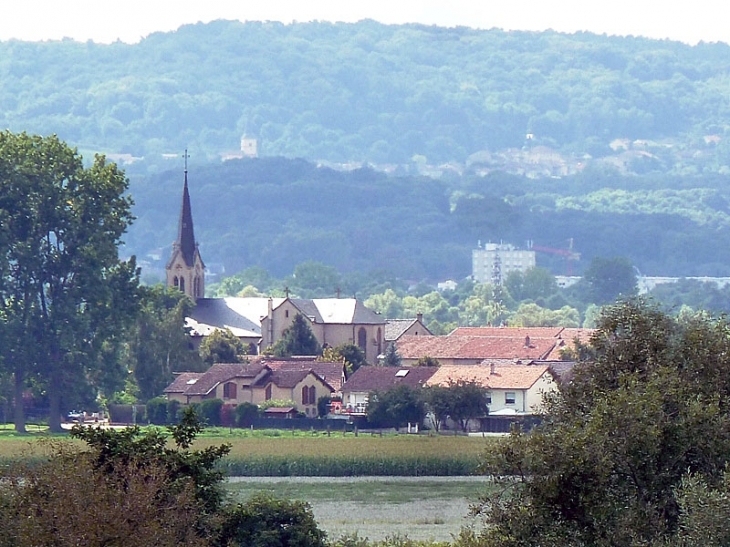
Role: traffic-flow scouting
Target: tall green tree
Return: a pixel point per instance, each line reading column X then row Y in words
column 391, row 357
column 607, row 279
column 66, row 297
column 646, row 411
column 159, row 343
column 297, row 339
column 222, row 346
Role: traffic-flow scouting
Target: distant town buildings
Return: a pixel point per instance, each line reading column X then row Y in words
column 494, row 261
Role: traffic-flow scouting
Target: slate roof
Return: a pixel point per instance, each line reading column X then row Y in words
column 339, row 311
column 223, row 372
column 285, row 378
column 375, row 378
column 182, row 382
column 474, row 347
column 504, row 377
column 241, row 315
column 330, row 372
column 394, row 328
column 185, row 242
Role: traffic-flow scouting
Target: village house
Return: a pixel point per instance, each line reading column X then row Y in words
column 397, row 328
column 255, row 383
column 511, row 389
column 260, row 322
column 365, row 380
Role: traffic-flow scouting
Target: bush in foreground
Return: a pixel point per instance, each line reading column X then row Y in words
column 129, row 488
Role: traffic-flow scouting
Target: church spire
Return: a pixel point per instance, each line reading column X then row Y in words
column 185, row 269
column 185, row 233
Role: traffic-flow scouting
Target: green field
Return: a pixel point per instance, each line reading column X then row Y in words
column 289, row 453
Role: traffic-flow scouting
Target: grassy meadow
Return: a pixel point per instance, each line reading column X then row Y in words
column 421, row 508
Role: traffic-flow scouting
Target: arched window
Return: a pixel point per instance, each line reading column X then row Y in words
column 380, row 343
column 362, row 338
column 312, row 395
column 182, row 284
column 267, row 394
column 176, row 282
column 196, row 287
column 305, row 395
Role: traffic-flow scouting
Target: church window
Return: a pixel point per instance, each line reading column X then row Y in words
column 182, row 284
column 312, row 395
column 305, row 395
column 267, row 393
column 362, row 338
column 176, row 282
column 380, row 344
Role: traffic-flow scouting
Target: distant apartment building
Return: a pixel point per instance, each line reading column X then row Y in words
column 494, row 261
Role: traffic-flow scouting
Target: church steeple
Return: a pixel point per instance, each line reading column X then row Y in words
column 185, row 269
column 185, row 233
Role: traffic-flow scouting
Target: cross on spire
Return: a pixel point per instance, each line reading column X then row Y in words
column 186, row 156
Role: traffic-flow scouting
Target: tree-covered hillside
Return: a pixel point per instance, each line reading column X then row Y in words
column 277, row 213
column 367, row 91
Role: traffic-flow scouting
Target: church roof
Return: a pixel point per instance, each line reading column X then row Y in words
column 339, row 311
column 242, row 316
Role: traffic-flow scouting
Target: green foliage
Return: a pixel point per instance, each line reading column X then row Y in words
column 297, row 339
column 156, row 411
column 609, row 279
column 609, row 465
column 265, row 521
column 396, row 407
column 159, row 341
column 323, row 405
column 391, row 357
column 210, row 411
column 221, row 346
column 245, row 413
column 65, row 296
column 352, row 355
column 461, row 401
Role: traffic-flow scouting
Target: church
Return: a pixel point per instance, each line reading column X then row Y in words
column 260, row 321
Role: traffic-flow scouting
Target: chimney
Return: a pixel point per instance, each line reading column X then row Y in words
column 419, row 317
column 527, row 341
column 492, row 371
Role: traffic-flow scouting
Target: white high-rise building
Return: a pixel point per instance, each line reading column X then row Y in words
column 493, row 262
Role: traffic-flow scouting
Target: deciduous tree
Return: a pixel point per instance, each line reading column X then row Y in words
column 65, row 296
column 645, row 410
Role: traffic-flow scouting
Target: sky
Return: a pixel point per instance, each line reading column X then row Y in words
column 106, row 21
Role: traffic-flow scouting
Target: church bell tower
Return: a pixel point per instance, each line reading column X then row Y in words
column 185, row 269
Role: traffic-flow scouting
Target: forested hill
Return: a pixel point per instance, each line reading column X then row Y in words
column 368, row 92
column 277, row 212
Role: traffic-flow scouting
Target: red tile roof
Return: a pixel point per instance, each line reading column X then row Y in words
column 501, row 377
column 474, row 347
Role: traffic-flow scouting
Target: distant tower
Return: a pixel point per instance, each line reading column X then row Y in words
column 185, row 269
column 249, row 147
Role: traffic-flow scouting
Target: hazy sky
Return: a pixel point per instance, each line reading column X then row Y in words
column 129, row 20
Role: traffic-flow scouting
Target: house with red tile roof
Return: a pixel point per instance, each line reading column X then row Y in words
column 236, row 383
column 512, row 389
column 358, row 387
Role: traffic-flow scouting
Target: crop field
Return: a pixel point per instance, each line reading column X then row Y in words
column 297, row 453
column 422, row 508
